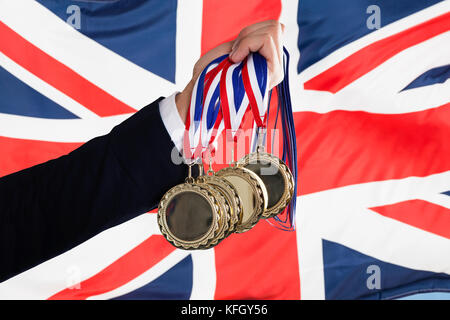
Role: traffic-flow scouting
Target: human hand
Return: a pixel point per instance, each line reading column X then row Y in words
column 263, row 37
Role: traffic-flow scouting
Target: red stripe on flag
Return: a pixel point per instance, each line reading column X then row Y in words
column 259, row 264
column 370, row 57
column 341, row 148
column 420, row 214
column 123, row 270
column 233, row 16
column 18, row 154
column 59, row 75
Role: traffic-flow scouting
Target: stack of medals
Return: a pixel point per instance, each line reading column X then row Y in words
column 203, row 211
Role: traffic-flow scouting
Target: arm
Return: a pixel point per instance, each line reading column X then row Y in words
column 52, row 207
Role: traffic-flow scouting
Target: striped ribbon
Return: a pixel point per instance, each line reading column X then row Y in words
column 221, row 96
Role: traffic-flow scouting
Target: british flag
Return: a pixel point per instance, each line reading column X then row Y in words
column 370, row 91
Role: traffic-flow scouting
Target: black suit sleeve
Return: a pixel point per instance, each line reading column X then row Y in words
column 54, row 206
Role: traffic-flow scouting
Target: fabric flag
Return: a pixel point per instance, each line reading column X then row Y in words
column 371, row 98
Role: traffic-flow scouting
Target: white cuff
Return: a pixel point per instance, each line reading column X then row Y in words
column 172, row 120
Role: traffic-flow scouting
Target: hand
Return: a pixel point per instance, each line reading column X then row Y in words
column 263, row 37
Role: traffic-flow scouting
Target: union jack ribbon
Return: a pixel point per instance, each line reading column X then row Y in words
column 255, row 70
column 220, row 99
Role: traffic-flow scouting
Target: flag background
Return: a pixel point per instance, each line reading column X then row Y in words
column 372, row 117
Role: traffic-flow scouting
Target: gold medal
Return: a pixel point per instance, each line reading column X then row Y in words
column 251, row 191
column 227, row 218
column 276, row 176
column 277, row 179
column 193, row 215
column 230, row 194
column 201, row 212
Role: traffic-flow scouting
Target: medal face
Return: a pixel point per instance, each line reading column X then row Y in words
column 277, row 178
column 252, row 194
column 189, row 216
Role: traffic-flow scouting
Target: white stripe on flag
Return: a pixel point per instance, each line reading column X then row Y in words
column 57, row 130
column 341, row 215
column 126, row 81
column 151, row 274
column 322, row 102
column 189, row 37
column 204, row 280
column 437, row 199
column 384, row 32
column 82, row 262
column 45, row 89
column 378, row 91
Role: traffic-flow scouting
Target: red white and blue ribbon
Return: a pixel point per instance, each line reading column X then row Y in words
column 234, row 99
column 203, row 109
column 255, row 75
column 222, row 95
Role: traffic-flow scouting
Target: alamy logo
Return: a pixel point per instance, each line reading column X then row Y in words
column 75, row 16
column 374, row 280
column 374, row 20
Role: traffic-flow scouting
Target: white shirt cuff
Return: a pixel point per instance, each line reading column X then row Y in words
column 172, row 120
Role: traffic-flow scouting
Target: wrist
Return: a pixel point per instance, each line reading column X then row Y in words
column 182, row 101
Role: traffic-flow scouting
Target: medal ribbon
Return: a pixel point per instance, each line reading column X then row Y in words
column 289, row 143
column 197, row 114
column 254, row 75
column 221, row 97
column 220, row 100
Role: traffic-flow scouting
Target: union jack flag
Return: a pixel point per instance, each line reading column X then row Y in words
column 371, row 97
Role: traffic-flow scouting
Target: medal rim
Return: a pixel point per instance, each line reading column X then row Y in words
column 288, row 178
column 162, row 217
column 224, row 216
column 259, row 190
column 231, row 197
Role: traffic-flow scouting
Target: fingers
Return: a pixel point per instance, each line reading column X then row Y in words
column 257, row 41
column 265, row 38
column 254, row 27
column 209, row 56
